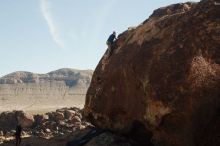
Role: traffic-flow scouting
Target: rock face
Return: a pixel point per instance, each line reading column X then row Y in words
column 162, row 81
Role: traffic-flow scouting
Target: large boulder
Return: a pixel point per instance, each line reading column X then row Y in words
column 59, row 116
column 161, row 83
column 56, row 116
column 69, row 114
column 9, row 120
column 40, row 119
column 24, row 119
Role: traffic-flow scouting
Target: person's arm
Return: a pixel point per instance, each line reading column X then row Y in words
column 115, row 38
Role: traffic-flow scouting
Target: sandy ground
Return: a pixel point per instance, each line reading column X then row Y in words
column 56, row 141
column 40, row 105
column 34, row 141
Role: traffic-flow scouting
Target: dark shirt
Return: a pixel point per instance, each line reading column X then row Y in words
column 111, row 38
column 18, row 130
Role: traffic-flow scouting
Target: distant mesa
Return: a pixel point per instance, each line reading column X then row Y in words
column 70, row 76
column 64, row 87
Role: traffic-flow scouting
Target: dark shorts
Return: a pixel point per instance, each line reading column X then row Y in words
column 17, row 136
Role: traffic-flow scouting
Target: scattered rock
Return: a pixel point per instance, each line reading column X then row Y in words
column 9, row 134
column 75, row 119
column 25, row 119
column 1, row 133
column 79, row 115
column 69, row 114
column 82, row 127
column 59, row 116
column 48, row 130
column 38, row 119
column 41, row 134
column 63, row 121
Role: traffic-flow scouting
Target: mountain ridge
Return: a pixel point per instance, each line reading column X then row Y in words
column 30, row 91
column 30, row 77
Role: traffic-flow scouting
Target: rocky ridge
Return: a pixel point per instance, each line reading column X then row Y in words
column 62, row 78
column 28, row 91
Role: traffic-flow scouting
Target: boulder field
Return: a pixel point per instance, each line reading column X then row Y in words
column 161, row 83
column 61, row 122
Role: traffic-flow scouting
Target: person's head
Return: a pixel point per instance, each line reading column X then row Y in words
column 114, row 32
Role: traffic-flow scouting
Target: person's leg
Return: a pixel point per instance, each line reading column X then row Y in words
column 107, row 51
column 16, row 141
column 110, row 50
column 19, row 142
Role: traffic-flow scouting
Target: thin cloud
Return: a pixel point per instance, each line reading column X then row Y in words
column 45, row 9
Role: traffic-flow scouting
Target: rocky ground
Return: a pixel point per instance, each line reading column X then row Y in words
column 54, row 129
column 105, row 139
column 53, row 124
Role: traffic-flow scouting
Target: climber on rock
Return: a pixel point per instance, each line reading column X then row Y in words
column 111, row 39
column 110, row 42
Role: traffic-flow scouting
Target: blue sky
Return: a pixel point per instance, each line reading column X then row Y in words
column 45, row 35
